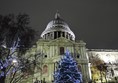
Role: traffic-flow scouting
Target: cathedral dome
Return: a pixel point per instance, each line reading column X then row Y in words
column 60, row 26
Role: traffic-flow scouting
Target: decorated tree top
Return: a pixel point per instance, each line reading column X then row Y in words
column 67, row 71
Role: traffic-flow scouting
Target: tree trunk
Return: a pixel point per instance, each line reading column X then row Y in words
column 101, row 76
column 106, row 78
column 2, row 79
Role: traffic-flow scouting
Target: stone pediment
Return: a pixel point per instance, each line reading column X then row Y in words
column 60, row 40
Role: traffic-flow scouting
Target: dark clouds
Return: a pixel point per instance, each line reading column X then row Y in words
column 94, row 21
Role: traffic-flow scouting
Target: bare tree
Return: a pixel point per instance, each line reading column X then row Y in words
column 100, row 66
column 15, row 35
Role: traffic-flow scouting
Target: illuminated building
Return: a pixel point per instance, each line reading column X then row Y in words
column 54, row 41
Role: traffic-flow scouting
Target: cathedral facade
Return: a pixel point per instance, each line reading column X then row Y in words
column 54, row 41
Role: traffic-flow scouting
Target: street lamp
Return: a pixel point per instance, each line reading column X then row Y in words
column 15, row 62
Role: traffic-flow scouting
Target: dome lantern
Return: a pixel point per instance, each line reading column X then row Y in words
column 57, row 15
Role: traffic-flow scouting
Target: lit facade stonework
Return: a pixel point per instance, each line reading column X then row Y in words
column 54, row 41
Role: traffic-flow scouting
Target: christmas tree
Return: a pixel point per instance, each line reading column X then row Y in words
column 67, row 71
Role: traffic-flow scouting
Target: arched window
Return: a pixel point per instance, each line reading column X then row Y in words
column 61, row 50
column 79, row 68
column 67, row 35
column 45, row 69
column 55, row 35
column 63, row 34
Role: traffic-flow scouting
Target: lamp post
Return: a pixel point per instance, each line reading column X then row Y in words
column 100, row 68
column 15, row 62
column 105, row 68
column 116, row 79
column 40, row 57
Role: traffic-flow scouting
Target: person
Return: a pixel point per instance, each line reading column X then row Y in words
column 44, row 80
column 90, row 81
column 37, row 81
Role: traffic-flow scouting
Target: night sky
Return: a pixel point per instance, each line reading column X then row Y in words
column 93, row 21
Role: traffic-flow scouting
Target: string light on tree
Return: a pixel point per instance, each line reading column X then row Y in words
column 67, row 71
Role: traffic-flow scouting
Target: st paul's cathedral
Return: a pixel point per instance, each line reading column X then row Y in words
column 55, row 40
